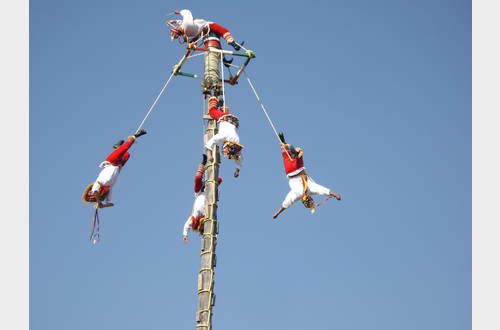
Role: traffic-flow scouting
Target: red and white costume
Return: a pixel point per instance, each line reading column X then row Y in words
column 194, row 27
column 112, row 167
column 228, row 125
column 294, row 166
column 198, row 211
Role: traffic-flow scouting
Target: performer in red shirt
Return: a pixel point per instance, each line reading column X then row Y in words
column 195, row 221
column 112, row 165
column 301, row 184
column 227, row 134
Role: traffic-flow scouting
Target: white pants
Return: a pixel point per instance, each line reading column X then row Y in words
column 107, row 177
column 297, row 190
column 227, row 132
column 199, row 205
column 198, row 209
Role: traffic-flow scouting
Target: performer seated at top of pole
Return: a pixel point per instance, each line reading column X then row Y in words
column 197, row 27
column 302, row 186
column 228, row 125
column 100, row 190
column 196, row 220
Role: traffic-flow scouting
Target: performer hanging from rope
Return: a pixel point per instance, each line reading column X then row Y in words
column 100, row 190
column 195, row 221
column 301, row 184
column 228, row 125
column 197, row 28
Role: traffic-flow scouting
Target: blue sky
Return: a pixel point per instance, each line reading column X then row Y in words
column 377, row 95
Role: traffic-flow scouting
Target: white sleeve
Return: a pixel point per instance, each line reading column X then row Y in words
column 187, row 17
column 187, row 225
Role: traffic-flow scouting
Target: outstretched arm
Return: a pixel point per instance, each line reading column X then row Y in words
column 185, row 230
column 279, row 212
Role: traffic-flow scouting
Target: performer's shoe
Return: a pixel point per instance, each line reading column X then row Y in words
column 235, row 45
column 236, row 172
column 227, row 62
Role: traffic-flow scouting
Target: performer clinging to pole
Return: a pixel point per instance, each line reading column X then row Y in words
column 301, row 184
column 228, row 125
column 101, row 189
column 195, row 28
column 195, row 221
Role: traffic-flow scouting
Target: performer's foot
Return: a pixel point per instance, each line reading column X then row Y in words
column 236, row 172
column 337, row 196
column 235, row 45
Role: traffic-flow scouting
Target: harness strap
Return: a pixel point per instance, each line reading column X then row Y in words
column 306, row 199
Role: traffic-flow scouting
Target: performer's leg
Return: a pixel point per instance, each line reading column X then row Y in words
column 217, row 138
column 294, row 195
column 290, row 198
column 317, row 189
column 221, row 31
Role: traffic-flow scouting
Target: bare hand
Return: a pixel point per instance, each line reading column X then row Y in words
column 177, row 12
column 185, row 239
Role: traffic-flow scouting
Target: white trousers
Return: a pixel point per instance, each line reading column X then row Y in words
column 107, row 177
column 198, row 209
column 227, row 132
column 297, row 190
column 199, row 205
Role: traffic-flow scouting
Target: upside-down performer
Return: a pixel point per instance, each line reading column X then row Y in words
column 100, row 190
column 302, row 186
column 195, row 221
column 191, row 29
column 227, row 134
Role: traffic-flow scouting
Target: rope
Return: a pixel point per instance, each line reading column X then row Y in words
column 95, row 235
column 203, row 124
column 265, row 112
column 323, row 201
column 191, row 56
column 222, row 76
column 176, row 69
column 156, row 101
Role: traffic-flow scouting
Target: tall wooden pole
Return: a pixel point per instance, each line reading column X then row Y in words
column 206, row 296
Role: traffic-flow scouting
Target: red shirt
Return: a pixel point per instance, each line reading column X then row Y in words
column 198, row 183
column 216, row 113
column 292, row 166
column 120, row 156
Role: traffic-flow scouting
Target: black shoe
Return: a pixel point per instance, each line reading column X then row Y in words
column 227, row 62
column 235, row 45
column 282, row 137
column 140, row 133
